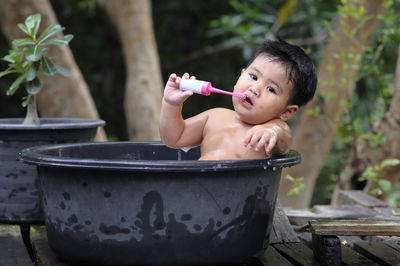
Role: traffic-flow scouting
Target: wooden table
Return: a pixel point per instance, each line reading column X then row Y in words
column 297, row 237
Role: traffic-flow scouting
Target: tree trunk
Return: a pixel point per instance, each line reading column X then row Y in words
column 315, row 133
column 60, row 96
column 143, row 90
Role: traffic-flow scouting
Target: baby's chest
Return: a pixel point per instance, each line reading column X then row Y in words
column 226, row 142
column 221, row 133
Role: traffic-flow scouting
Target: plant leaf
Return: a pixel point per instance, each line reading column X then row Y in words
column 23, row 28
column 15, row 85
column 13, row 56
column 7, row 71
column 32, row 71
column 62, row 71
column 50, row 31
column 34, row 54
column 32, row 23
column 24, row 41
column 60, row 41
column 33, row 87
column 25, row 101
column 389, row 162
column 48, row 66
column 385, row 185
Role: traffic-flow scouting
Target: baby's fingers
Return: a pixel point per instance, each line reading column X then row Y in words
column 253, row 141
column 270, row 145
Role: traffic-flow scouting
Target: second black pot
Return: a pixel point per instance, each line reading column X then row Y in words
column 19, row 192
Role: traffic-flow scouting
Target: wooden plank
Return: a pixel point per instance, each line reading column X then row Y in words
column 328, row 212
column 379, row 252
column 388, row 212
column 301, row 217
column 356, row 227
column 352, row 258
column 351, row 212
column 282, row 231
column 392, row 241
column 361, row 198
column 43, row 253
column 12, row 248
column 296, row 253
column 271, row 257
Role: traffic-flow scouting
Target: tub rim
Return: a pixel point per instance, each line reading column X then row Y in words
column 50, row 123
column 34, row 155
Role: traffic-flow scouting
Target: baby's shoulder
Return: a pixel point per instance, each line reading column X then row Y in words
column 219, row 117
column 220, row 112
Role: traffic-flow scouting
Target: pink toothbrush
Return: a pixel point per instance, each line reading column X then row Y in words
column 205, row 88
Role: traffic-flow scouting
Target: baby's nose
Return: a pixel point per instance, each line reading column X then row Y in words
column 255, row 91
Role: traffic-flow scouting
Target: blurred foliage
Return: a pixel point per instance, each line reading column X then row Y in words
column 191, row 37
column 373, row 93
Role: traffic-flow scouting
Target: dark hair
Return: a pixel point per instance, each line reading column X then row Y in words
column 300, row 70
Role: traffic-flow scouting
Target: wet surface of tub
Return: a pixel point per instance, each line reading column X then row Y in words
column 130, row 203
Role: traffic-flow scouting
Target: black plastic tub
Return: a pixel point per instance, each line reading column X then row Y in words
column 128, row 203
column 19, row 192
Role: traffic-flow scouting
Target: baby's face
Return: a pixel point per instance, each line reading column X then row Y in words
column 267, row 91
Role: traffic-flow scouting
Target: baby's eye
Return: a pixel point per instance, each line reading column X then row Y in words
column 252, row 76
column 271, row 89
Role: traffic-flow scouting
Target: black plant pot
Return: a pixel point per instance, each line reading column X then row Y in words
column 19, row 193
column 127, row 203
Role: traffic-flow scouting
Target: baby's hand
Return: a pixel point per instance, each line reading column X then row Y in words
column 172, row 94
column 259, row 137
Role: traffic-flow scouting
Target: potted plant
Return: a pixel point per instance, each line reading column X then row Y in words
column 28, row 60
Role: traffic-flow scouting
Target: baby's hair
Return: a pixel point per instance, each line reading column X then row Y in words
column 299, row 68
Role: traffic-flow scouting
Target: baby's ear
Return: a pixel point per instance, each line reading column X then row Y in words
column 289, row 111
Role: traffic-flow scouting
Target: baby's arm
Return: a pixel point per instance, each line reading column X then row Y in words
column 275, row 136
column 174, row 131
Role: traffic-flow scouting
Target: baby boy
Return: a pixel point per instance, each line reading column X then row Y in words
column 278, row 80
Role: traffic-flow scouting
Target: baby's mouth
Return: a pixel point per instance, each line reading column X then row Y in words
column 247, row 100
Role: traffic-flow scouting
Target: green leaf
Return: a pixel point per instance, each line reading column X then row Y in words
column 34, row 54
column 288, row 177
column 33, row 87
column 15, row 85
column 369, row 173
column 32, row 23
column 48, row 66
column 13, row 56
column 389, row 162
column 376, row 192
column 32, row 71
column 21, row 42
column 59, row 41
column 23, row 28
column 50, row 31
column 7, row 71
column 385, row 185
column 62, row 71
column 25, row 101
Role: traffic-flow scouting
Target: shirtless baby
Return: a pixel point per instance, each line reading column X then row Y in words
column 278, row 80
